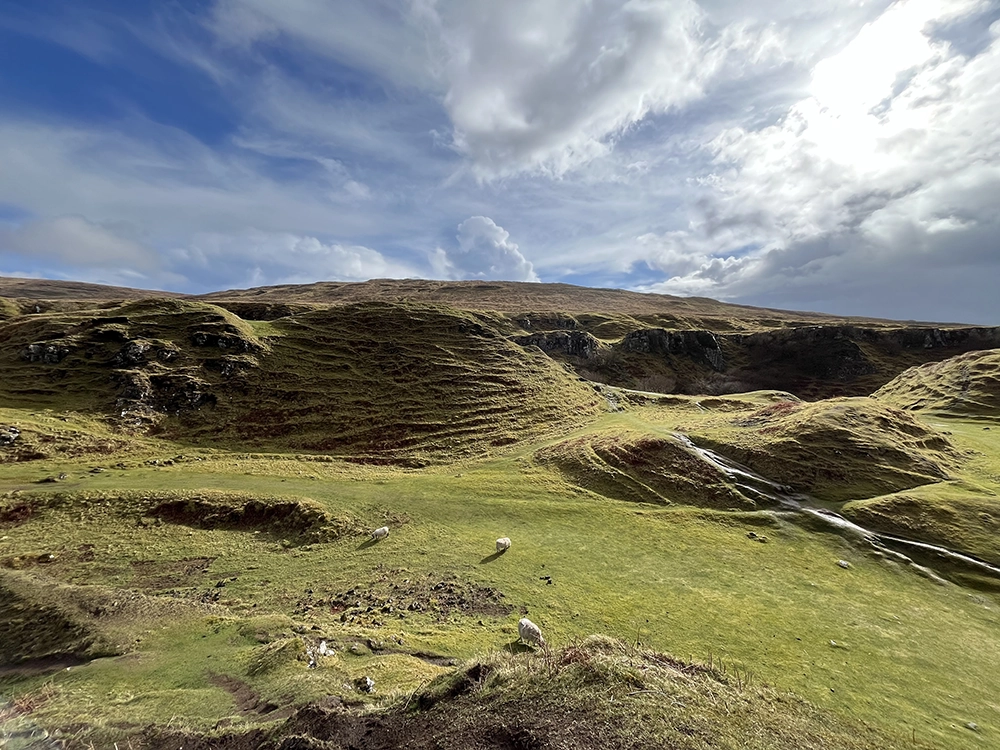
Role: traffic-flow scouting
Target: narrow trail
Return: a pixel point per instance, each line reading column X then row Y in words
column 759, row 487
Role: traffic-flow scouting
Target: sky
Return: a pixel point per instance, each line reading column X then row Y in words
column 839, row 157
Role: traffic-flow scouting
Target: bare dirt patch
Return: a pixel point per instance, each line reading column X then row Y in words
column 396, row 593
column 248, row 700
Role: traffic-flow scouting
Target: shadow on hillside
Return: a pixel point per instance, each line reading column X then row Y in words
column 491, row 558
column 367, row 544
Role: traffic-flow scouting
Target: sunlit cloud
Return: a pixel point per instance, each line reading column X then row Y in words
column 772, row 153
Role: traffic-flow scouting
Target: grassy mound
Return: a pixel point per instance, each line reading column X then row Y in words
column 385, row 382
column 640, row 467
column 597, row 693
column 48, row 621
column 838, row 449
column 295, row 520
column 967, row 385
column 379, row 382
column 945, row 515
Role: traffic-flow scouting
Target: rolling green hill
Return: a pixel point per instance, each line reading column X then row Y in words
column 188, row 489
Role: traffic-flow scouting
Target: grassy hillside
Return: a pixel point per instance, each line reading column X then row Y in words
column 377, row 382
column 642, row 341
column 269, row 555
column 187, row 492
column 835, row 450
column 965, row 385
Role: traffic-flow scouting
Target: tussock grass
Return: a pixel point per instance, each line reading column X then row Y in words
column 620, row 695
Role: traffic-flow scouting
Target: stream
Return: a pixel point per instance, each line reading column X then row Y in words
column 891, row 546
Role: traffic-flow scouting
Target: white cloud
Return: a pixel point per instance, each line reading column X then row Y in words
column 75, row 241
column 376, row 36
column 549, row 85
column 893, row 159
column 484, row 252
column 255, row 258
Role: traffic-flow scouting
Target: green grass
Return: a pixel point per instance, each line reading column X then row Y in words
column 208, row 549
column 911, row 656
column 965, row 385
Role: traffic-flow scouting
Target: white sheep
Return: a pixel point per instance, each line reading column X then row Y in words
column 528, row 632
column 381, row 532
column 503, row 544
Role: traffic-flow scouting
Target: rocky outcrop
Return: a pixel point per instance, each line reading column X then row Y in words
column 824, row 352
column 701, row 345
column 144, row 397
column 46, row 353
column 225, row 340
column 573, row 343
column 810, row 361
column 132, row 354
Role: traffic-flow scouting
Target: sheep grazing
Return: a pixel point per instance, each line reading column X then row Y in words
column 380, row 533
column 503, row 544
column 528, row 632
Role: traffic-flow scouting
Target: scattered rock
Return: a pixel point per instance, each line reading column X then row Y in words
column 971, row 724
column 365, row 684
column 757, row 537
column 844, row 564
column 132, row 354
column 8, row 435
column 48, row 354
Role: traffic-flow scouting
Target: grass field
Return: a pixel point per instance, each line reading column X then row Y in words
column 222, row 603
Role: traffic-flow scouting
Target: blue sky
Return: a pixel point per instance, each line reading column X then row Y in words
column 832, row 156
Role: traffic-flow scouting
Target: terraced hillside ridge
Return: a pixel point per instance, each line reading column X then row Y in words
column 666, row 343
column 968, row 384
column 376, row 381
column 379, row 381
column 837, row 449
column 643, row 341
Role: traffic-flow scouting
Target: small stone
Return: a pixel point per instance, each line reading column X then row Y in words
column 365, row 684
column 971, row 724
column 844, row 564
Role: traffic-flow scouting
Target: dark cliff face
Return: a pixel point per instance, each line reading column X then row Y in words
column 572, row 343
column 809, row 361
column 699, row 345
